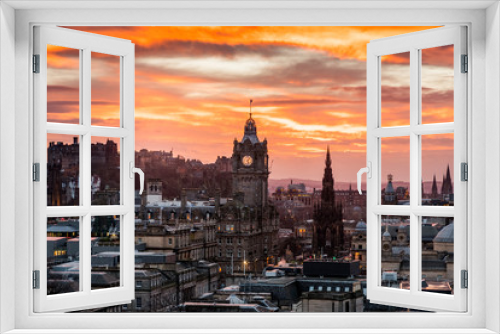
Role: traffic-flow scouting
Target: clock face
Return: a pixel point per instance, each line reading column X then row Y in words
column 247, row 160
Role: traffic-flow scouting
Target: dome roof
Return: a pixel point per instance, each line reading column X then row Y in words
column 446, row 234
column 250, row 122
column 361, row 226
column 250, row 131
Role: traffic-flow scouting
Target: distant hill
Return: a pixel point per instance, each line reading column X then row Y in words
column 310, row 184
column 341, row 185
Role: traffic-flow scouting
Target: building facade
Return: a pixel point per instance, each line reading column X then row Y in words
column 248, row 226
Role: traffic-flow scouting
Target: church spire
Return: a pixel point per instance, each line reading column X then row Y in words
column 434, row 191
column 328, row 161
column 327, row 192
column 447, row 187
column 328, row 229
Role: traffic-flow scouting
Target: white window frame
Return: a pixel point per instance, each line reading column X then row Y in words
column 85, row 43
column 413, row 43
column 484, row 103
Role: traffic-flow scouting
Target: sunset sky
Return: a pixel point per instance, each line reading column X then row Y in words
column 308, row 84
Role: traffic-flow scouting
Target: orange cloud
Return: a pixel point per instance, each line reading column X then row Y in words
column 342, row 42
column 193, row 85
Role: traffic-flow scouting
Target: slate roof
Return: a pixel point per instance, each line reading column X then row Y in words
column 61, row 229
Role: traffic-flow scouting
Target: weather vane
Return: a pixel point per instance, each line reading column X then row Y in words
column 251, row 108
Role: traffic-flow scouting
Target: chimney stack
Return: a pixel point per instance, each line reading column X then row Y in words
column 217, row 202
column 183, row 201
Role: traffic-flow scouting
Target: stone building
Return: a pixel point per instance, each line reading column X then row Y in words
column 189, row 241
column 148, row 291
column 358, row 245
column 248, row 225
column 310, row 294
column 353, row 203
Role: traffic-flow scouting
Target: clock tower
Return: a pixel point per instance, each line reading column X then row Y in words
column 250, row 167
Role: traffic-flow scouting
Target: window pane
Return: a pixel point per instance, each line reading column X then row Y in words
column 105, row 252
column 437, row 84
column 63, row 83
column 395, row 171
column 437, row 254
column 395, row 252
column 437, row 170
column 63, row 170
column 63, row 254
column 105, row 171
column 395, row 89
column 105, row 89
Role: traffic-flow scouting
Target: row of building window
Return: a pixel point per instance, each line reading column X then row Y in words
column 229, row 241
column 229, row 252
column 154, row 283
column 328, row 288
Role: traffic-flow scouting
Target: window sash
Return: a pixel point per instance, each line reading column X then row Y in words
column 85, row 298
column 412, row 43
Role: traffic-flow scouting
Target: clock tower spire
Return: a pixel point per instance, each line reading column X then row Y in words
column 251, row 108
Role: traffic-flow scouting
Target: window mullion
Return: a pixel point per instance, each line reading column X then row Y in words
column 85, row 83
column 86, row 163
column 85, row 255
column 415, row 159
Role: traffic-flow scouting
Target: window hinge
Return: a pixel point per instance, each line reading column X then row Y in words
column 465, row 64
column 465, row 279
column 36, row 63
column 36, row 279
column 36, row 172
column 464, row 171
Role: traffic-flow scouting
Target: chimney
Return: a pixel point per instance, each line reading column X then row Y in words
column 217, row 202
column 75, row 140
column 183, row 200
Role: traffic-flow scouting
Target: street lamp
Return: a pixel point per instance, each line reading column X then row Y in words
column 244, row 264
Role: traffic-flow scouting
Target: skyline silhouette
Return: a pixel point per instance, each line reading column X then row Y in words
column 308, row 86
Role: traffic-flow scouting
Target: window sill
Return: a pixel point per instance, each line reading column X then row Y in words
column 250, row 331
